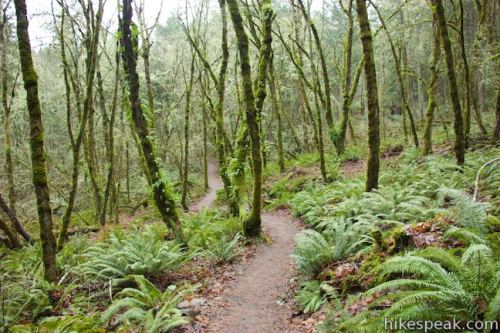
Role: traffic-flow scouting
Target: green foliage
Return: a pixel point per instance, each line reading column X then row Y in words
column 313, row 250
column 223, row 250
column 466, row 212
column 431, row 283
column 147, row 308
column 436, row 285
column 133, row 253
column 208, row 225
column 313, row 294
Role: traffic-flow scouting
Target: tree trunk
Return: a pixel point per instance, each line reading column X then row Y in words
column 219, row 117
column 110, row 145
column 397, row 62
column 205, row 145
column 277, row 110
column 372, row 96
column 326, row 79
column 161, row 194
column 12, row 242
column 457, row 109
column 346, row 84
column 431, row 92
column 496, row 132
column 253, row 103
column 9, row 166
column 75, row 144
column 187, row 107
column 38, row 165
column 14, row 220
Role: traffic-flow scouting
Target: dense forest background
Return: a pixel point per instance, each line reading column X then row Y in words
column 120, row 124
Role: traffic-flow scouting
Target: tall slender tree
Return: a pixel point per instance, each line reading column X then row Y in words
column 38, row 161
column 9, row 165
column 455, row 99
column 163, row 198
column 372, row 167
column 254, row 102
column 431, row 91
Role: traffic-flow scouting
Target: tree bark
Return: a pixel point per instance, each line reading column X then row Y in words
column 161, row 194
column 38, row 164
column 346, row 83
column 91, row 44
column 11, row 242
column 496, row 132
column 219, row 117
column 372, row 169
column 9, row 166
column 431, row 91
column 187, row 107
column 14, row 220
column 253, row 103
column 397, row 62
column 326, row 79
column 276, row 102
column 459, row 145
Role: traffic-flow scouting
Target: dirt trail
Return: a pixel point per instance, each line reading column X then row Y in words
column 259, row 299
column 215, row 184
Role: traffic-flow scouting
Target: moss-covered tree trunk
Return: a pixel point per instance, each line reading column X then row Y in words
column 431, row 92
column 76, row 143
column 38, row 163
column 324, row 68
column 253, row 103
column 276, row 103
column 9, row 165
column 496, row 131
column 402, row 88
column 14, row 220
column 187, row 110
column 455, row 99
column 161, row 191
column 219, row 117
column 372, row 167
column 11, row 242
column 346, row 83
column 109, row 187
column 205, row 144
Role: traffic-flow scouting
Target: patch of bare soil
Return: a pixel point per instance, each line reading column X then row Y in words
column 351, row 168
column 261, row 298
column 215, row 184
column 255, row 294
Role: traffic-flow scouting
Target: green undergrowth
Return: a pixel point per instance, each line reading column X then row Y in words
column 128, row 280
column 420, row 247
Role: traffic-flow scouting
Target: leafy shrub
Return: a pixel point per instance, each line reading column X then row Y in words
column 135, row 253
column 313, row 294
column 466, row 212
column 147, row 307
column 313, row 250
column 436, row 285
column 223, row 250
column 201, row 229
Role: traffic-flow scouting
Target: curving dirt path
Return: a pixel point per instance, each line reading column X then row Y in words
column 214, row 184
column 260, row 298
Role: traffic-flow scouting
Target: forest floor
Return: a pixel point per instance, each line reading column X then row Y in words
column 258, row 296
